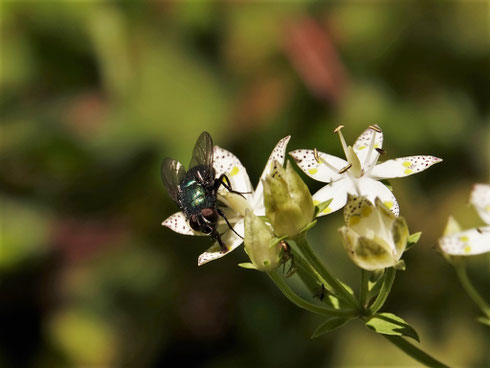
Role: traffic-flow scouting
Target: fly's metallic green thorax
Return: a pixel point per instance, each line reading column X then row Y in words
column 195, row 191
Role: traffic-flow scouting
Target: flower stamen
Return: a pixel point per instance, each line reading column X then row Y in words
column 344, row 169
column 315, row 154
column 341, row 137
column 371, row 147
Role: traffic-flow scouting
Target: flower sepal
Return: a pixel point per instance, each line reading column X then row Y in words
column 304, row 230
column 247, row 266
column 413, row 239
column 400, row 265
column 322, row 207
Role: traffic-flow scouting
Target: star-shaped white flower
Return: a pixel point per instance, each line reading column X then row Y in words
column 224, row 162
column 359, row 175
column 472, row 241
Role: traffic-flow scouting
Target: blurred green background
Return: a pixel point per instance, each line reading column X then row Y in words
column 93, row 95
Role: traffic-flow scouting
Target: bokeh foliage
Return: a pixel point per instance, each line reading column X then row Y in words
column 94, row 94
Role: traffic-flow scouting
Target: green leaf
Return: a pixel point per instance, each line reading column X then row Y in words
column 329, row 325
column 484, row 320
column 321, row 206
column 390, row 324
column 247, row 265
column 412, row 240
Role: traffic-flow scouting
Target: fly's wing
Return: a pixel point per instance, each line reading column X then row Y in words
column 172, row 174
column 203, row 151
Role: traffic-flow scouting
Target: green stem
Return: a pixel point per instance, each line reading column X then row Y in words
column 331, row 281
column 414, row 352
column 314, row 282
column 470, row 289
column 389, row 278
column 295, row 299
column 363, row 288
column 304, row 268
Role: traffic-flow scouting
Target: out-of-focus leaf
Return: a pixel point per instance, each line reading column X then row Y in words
column 484, row 320
column 85, row 338
column 390, row 324
column 24, row 234
column 329, row 325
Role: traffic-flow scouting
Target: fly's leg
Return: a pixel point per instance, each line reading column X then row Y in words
column 216, row 236
column 222, row 214
column 223, row 180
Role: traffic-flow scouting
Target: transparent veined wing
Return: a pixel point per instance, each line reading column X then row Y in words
column 203, row 151
column 172, row 174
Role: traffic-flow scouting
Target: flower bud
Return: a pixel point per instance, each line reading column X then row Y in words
column 373, row 237
column 288, row 203
column 260, row 243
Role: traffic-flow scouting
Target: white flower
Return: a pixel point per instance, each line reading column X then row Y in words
column 224, row 162
column 472, row 241
column 360, row 174
column 373, row 237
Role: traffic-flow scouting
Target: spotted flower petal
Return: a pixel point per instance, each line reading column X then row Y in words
column 278, row 154
column 403, row 166
column 472, row 241
column 231, row 240
column 370, row 140
column 468, row 242
column 325, row 170
column 373, row 189
column 480, row 198
column 178, row 223
column 225, row 162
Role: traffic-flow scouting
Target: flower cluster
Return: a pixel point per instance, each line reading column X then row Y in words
column 216, row 198
column 281, row 205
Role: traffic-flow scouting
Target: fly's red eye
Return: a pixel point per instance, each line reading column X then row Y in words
column 210, row 215
column 194, row 223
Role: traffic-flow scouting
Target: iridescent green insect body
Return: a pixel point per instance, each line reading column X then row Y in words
column 196, row 195
column 196, row 190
